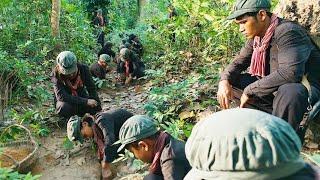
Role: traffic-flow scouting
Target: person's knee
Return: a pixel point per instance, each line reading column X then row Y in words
column 152, row 177
column 64, row 109
column 293, row 92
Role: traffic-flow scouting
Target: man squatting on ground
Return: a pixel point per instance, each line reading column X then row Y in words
column 104, row 128
column 140, row 135
column 278, row 53
column 74, row 89
column 100, row 69
column 129, row 66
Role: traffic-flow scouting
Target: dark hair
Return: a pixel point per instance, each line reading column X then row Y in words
column 152, row 138
column 87, row 118
column 254, row 14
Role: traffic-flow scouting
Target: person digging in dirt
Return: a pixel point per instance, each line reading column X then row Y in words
column 104, row 129
column 100, row 68
column 129, row 66
column 74, row 89
column 246, row 144
column 140, row 135
column 279, row 54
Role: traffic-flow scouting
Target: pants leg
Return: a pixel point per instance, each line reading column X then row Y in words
column 152, row 177
column 290, row 103
column 263, row 103
column 67, row 110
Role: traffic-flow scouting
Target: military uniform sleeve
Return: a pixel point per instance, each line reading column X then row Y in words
column 107, row 127
column 239, row 64
column 62, row 95
column 171, row 169
column 90, row 86
column 293, row 52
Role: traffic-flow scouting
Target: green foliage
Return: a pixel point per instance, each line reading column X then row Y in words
column 28, row 47
column 76, row 32
column 67, row 144
column 9, row 174
column 36, row 121
column 103, row 83
column 123, row 14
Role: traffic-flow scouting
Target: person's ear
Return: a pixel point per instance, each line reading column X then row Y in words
column 143, row 145
column 262, row 15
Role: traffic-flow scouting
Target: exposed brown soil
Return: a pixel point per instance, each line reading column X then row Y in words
column 17, row 154
column 55, row 162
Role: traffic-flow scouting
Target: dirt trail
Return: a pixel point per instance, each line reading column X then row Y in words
column 55, row 162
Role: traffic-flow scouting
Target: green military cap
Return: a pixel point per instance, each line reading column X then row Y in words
column 136, row 128
column 124, row 53
column 105, row 57
column 246, row 6
column 73, row 129
column 99, row 11
column 243, row 144
column 67, row 62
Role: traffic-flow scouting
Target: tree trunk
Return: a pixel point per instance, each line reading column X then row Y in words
column 141, row 3
column 55, row 17
column 306, row 13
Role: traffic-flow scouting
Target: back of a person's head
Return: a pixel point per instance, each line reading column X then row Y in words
column 243, row 144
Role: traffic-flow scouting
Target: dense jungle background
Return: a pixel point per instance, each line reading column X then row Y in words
column 182, row 74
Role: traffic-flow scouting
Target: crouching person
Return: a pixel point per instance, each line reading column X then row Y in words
column 246, row 144
column 100, row 68
column 104, row 129
column 74, row 89
column 129, row 66
column 140, row 135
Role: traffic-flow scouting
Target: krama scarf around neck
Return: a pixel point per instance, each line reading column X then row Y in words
column 74, row 86
column 155, row 167
column 258, row 59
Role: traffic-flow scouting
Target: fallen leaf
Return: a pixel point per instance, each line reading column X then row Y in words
column 186, row 114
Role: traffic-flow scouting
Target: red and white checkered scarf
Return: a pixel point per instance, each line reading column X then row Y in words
column 258, row 59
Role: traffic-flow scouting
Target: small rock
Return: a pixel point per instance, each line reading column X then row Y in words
column 58, row 154
column 81, row 161
column 312, row 145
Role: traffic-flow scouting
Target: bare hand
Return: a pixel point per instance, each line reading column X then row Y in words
column 105, row 171
column 225, row 94
column 128, row 80
column 92, row 103
column 243, row 100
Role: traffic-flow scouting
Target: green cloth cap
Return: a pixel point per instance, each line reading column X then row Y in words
column 246, row 6
column 73, row 129
column 67, row 62
column 135, row 128
column 124, row 53
column 105, row 57
column 99, row 11
column 243, row 144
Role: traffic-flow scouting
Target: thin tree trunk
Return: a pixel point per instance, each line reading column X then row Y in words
column 55, row 17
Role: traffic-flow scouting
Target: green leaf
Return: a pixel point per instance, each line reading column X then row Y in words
column 67, row 144
column 208, row 17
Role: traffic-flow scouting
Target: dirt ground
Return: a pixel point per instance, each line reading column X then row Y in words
column 55, row 162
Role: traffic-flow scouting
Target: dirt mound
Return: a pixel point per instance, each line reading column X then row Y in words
column 16, row 154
